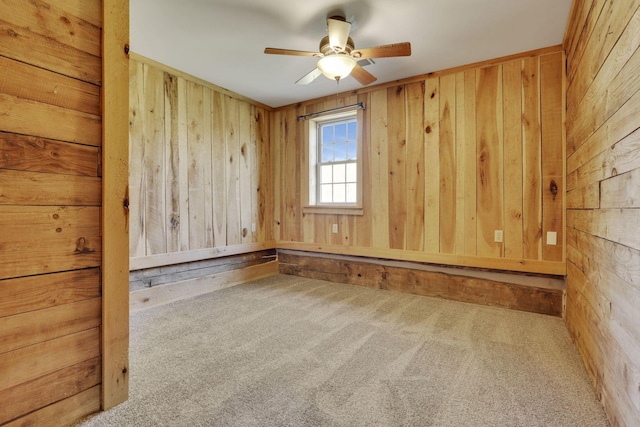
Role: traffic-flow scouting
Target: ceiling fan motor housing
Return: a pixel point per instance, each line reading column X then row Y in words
column 325, row 46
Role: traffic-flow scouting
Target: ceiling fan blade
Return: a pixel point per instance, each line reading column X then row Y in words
column 309, row 77
column 386, row 51
column 275, row 51
column 338, row 33
column 362, row 75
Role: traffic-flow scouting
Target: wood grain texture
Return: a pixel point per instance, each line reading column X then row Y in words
column 603, row 244
column 65, row 395
column 551, row 75
column 490, row 159
column 426, row 283
column 115, row 218
column 30, row 153
column 448, row 164
column 33, row 293
column 396, row 140
column 477, row 166
column 513, row 159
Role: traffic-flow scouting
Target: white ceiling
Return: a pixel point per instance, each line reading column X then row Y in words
column 222, row 41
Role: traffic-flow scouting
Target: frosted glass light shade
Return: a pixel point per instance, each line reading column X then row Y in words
column 336, row 66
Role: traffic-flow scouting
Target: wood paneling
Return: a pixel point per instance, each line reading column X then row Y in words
column 603, row 226
column 56, row 157
column 450, row 160
column 202, row 165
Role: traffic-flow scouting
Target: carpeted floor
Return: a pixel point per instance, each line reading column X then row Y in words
column 289, row 351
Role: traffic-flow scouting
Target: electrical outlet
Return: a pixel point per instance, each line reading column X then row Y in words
column 334, row 228
column 253, row 227
column 552, row 238
column 498, row 236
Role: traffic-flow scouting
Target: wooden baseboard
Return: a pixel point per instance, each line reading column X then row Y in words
column 164, row 294
column 426, row 283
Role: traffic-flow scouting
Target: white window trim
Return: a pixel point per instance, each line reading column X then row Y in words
column 311, row 160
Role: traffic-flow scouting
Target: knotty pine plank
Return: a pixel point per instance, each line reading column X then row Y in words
column 87, row 10
column 219, row 165
column 172, row 163
column 195, row 143
column 34, row 188
column 51, row 393
column 532, row 168
column 461, row 161
column 396, row 140
column 616, row 81
column 154, row 162
column 208, row 165
column 39, row 292
column 513, row 159
column 617, row 225
column 551, row 105
column 470, row 164
column 48, row 222
column 232, row 151
column 245, row 162
column 254, row 182
column 30, row 257
column 30, row 153
column 55, row 23
column 621, row 191
column 23, row 116
column 183, row 165
column 447, row 156
column 490, row 159
column 35, row 361
column 265, row 221
column 415, row 166
column 66, row 412
column 36, row 84
column 615, row 159
column 584, row 29
column 363, row 223
column 21, row 44
column 379, row 170
column 432, row 165
column 137, row 130
column 25, row 329
column 608, row 29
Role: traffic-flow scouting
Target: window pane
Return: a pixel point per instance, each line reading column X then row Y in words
column 339, row 173
column 351, row 193
column 327, row 133
column 325, row 174
column 351, row 134
column 340, row 132
column 327, row 153
column 352, row 176
column 352, row 152
column 326, row 193
column 339, row 193
column 339, row 151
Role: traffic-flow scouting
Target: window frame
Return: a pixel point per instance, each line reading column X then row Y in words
column 311, row 165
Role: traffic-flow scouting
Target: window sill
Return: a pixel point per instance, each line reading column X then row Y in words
column 333, row 210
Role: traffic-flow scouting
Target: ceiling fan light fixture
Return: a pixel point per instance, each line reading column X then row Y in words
column 336, row 66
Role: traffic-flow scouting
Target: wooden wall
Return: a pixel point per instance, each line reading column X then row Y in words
column 448, row 159
column 200, row 175
column 603, row 199
column 50, row 210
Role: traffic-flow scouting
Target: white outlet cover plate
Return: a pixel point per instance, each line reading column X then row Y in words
column 552, row 238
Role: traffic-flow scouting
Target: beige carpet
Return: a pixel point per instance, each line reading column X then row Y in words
column 289, row 351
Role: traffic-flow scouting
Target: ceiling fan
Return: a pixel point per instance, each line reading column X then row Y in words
column 338, row 56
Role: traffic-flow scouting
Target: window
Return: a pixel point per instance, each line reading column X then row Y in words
column 335, row 164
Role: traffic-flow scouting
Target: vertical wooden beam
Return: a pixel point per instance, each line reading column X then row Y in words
column 115, row 235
